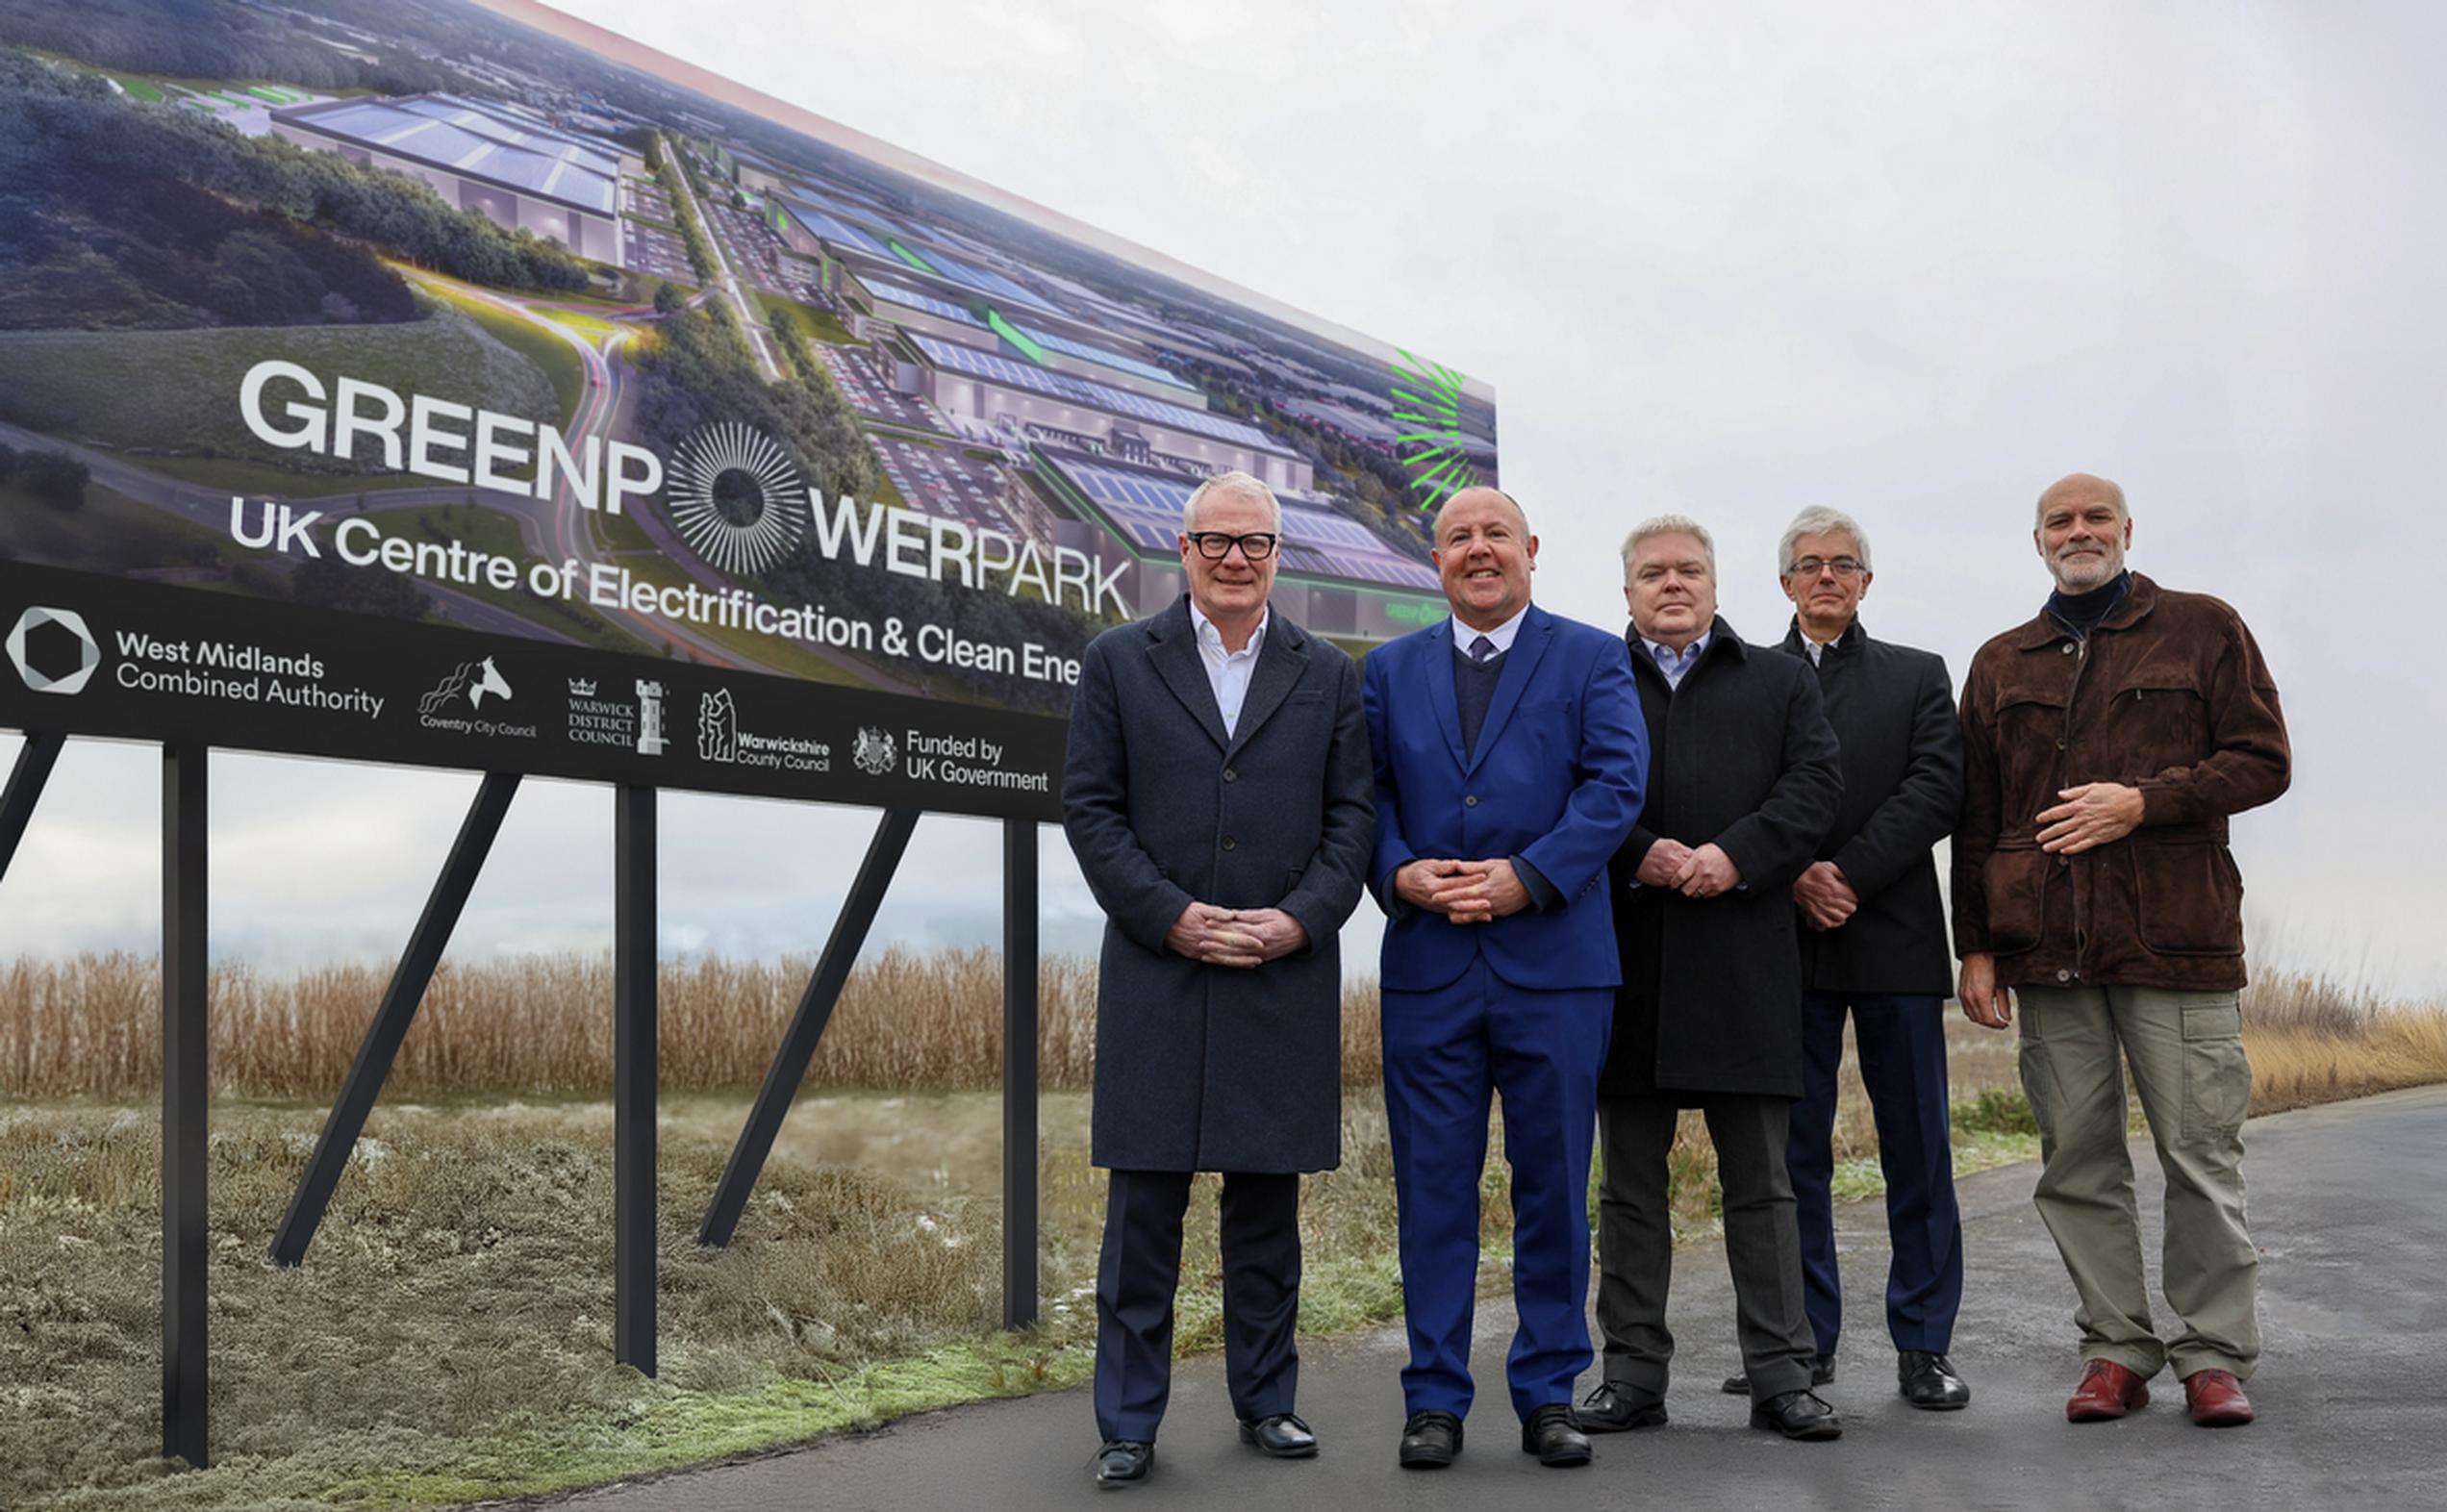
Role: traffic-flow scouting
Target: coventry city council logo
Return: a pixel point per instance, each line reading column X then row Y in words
column 875, row 753
column 736, row 497
column 474, row 681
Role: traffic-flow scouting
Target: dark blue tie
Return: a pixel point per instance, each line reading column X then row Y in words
column 1480, row 649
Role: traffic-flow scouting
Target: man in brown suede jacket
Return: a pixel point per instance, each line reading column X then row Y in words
column 2105, row 742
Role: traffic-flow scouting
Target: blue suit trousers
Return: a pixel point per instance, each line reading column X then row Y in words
column 1902, row 1066
column 1447, row 1051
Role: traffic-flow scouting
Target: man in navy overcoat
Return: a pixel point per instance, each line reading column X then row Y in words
column 1509, row 755
column 1216, row 795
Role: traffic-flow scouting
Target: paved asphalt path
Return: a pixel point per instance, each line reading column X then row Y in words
column 2349, row 1204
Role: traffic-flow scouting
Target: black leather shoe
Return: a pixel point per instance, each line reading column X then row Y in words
column 1797, row 1415
column 1929, row 1381
column 1618, row 1405
column 1430, row 1439
column 1123, row 1462
column 1284, row 1435
column 1822, row 1371
column 1548, row 1433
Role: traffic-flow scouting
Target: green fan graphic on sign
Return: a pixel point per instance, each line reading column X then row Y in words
column 1431, row 400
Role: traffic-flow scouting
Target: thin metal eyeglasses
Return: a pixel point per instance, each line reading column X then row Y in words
column 1810, row 566
column 1216, row 545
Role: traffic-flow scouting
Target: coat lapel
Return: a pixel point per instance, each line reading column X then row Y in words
column 1442, row 696
column 1280, row 662
column 1519, row 664
column 1175, row 655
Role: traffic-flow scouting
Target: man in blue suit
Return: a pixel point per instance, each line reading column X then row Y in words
column 1510, row 753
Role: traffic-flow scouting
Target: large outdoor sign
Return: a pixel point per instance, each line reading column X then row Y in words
column 462, row 387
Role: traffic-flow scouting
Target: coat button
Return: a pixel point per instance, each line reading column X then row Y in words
column 1230, row 842
column 1229, row 775
column 2060, row 746
column 2064, row 976
column 2067, row 648
column 1469, row 800
column 2064, row 861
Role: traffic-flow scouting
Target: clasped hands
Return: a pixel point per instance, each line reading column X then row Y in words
column 1703, row 873
column 1243, row 937
column 1825, row 896
column 1465, row 891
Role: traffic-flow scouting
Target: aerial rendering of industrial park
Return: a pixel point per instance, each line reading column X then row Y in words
column 268, row 270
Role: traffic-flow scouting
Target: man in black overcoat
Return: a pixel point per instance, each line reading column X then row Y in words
column 1743, row 782
column 1221, row 802
column 1874, row 943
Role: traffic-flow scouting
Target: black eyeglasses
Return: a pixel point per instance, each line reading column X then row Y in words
column 1216, row 545
column 1809, row 566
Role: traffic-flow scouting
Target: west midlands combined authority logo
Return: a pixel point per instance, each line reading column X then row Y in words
column 53, row 651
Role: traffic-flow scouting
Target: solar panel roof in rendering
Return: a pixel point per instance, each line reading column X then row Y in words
column 912, row 300
column 457, row 136
column 1102, row 396
column 828, row 227
column 1147, row 508
column 1097, row 354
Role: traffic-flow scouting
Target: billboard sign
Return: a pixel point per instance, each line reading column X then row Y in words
column 464, row 386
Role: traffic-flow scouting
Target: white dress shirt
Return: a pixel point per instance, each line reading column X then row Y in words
column 1500, row 637
column 1227, row 672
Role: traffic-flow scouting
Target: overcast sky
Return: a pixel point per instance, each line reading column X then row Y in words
column 1914, row 260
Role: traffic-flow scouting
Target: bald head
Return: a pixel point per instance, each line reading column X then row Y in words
column 1484, row 494
column 2076, row 488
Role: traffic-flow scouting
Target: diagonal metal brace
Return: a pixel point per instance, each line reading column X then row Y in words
column 392, row 1019
column 807, row 1025
column 35, row 760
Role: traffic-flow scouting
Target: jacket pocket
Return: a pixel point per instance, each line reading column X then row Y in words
column 2187, row 898
column 2016, row 877
column 2161, row 720
column 2217, row 1075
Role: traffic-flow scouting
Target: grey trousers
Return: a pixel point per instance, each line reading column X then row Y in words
column 1762, row 1241
column 2186, row 1054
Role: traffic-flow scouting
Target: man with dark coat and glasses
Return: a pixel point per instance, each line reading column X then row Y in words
column 1218, row 796
column 1874, row 944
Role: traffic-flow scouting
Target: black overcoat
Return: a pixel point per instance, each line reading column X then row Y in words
column 1741, row 755
column 1213, row 1068
column 1892, row 709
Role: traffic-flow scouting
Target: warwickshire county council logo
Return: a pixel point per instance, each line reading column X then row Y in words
column 875, row 753
column 735, row 496
column 53, row 651
column 717, row 727
column 1439, row 467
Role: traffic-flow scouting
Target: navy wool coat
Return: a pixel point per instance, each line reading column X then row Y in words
column 1215, row 1068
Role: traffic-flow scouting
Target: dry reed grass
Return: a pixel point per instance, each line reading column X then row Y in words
column 90, row 1026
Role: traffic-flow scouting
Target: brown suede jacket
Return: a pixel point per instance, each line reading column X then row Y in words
column 2169, row 694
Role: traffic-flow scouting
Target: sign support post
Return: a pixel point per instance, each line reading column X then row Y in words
column 186, row 1038
column 634, row 1023
column 807, row 1025
column 1019, row 1154
column 391, row 1018
column 26, row 780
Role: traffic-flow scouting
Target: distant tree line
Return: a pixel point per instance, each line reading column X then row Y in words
column 54, row 477
column 210, row 40
column 114, row 215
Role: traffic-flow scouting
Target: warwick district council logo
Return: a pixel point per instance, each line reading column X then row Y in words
column 875, row 752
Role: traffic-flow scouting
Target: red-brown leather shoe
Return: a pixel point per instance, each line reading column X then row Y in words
column 2216, row 1399
column 2107, row 1390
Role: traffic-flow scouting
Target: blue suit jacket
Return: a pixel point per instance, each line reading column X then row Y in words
column 1555, row 779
